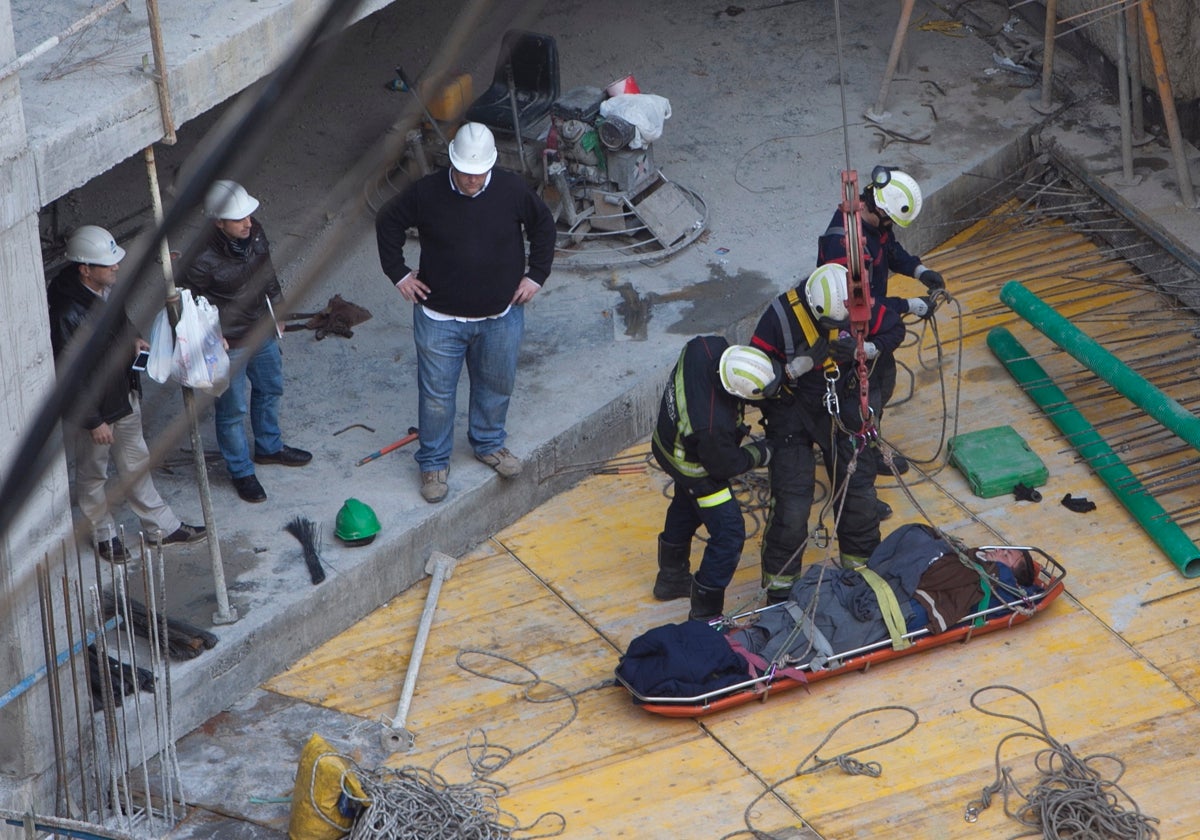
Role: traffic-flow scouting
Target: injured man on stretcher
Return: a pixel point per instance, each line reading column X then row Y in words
column 914, row 584
column 913, row 580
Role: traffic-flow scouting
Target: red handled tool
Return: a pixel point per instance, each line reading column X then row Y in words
column 408, row 438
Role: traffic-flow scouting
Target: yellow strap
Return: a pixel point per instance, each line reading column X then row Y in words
column 810, row 329
column 889, row 606
column 713, row 499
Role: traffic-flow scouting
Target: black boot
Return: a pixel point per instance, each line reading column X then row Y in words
column 707, row 603
column 674, row 571
column 778, row 596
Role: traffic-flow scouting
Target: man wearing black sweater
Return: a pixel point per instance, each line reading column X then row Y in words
column 468, row 294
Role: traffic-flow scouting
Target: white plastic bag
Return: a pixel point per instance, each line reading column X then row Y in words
column 646, row 112
column 162, row 348
column 200, row 360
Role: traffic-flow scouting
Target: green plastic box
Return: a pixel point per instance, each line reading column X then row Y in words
column 996, row 460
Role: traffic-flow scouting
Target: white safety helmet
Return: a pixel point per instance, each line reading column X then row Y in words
column 228, row 200
column 827, row 292
column 93, row 245
column 899, row 196
column 473, row 149
column 747, row 372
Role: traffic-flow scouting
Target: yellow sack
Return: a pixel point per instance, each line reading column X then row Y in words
column 319, row 781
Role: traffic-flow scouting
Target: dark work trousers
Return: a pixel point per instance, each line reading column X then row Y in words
column 794, row 427
column 711, row 504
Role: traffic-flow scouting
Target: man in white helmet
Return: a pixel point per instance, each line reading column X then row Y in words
column 698, row 442
column 110, row 428
column 468, row 294
column 805, row 330
column 892, row 198
column 235, row 273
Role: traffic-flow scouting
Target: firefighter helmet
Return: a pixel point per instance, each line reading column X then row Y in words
column 899, row 197
column 749, row 373
column 827, row 293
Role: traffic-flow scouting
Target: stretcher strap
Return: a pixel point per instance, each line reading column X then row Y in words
column 820, row 643
column 893, row 617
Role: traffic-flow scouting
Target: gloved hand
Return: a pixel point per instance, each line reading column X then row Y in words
column 922, row 307
column 760, row 451
column 932, row 280
column 799, row 366
column 870, row 349
column 843, row 350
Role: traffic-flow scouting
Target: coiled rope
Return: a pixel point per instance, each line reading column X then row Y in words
column 1071, row 798
column 413, row 803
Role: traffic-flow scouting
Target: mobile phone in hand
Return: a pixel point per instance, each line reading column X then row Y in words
column 143, row 358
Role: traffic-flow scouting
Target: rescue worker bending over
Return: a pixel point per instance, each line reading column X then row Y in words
column 697, row 440
column 805, row 330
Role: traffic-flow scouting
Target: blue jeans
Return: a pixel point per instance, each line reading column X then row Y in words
column 490, row 348
column 726, row 531
column 264, row 370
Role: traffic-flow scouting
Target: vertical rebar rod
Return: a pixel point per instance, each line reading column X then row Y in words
column 160, row 723
column 106, row 698
column 127, row 619
column 92, row 689
column 71, row 664
column 46, row 606
column 163, row 634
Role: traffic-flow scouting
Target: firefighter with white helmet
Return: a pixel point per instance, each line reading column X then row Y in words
column 805, row 331
column 698, row 442
column 235, row 273
column 892, row 198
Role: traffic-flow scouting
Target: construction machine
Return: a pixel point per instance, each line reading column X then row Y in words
column 594, row 168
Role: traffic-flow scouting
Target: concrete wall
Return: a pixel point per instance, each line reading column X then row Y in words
column 1179, row 30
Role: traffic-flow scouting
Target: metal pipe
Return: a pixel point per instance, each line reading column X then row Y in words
column 1127, row 176
column 1133, row 36
column 1157, row 523
column 160, row 73
column 1046, row 103
column 906, row 9
column 225, row 614
column 395, row 736
column 1167, row 98
column 1108, row 367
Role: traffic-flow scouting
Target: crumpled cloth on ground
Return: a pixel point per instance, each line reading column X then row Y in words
column 337, row 318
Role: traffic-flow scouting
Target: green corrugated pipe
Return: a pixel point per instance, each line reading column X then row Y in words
column 1102, row 363
column 1030, row 375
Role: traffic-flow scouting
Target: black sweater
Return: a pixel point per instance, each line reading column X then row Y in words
column 472, row 249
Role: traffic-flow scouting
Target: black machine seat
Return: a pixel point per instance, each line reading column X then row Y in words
column 533, row 60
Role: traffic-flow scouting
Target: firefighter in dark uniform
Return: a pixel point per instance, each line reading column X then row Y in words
column 892, row 198
column 698, row 442
column 805, row 330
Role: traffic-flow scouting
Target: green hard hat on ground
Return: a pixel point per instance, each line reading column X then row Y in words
column 357, row 524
